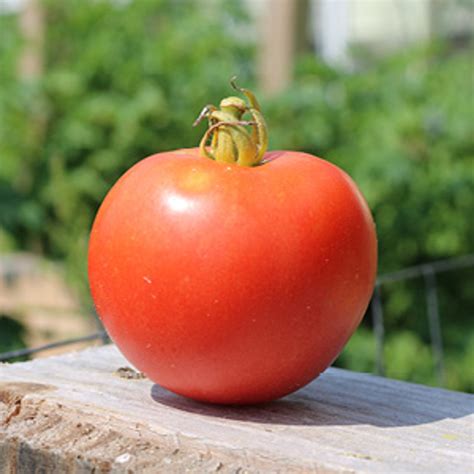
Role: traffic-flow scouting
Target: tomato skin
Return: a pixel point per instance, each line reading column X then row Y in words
column 229, row 284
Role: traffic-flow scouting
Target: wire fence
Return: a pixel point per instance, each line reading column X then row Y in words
column 427, row 271
column 5, row 356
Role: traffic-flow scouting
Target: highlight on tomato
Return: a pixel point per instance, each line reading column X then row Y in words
column 227, row 273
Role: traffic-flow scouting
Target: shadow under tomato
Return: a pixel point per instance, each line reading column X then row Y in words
column 341, row 398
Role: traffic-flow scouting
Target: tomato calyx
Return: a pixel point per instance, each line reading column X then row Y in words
column 230, row 139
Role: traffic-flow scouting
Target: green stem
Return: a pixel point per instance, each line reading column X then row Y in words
column 230, row 140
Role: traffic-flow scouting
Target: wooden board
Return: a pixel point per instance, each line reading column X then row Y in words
column 73, row 413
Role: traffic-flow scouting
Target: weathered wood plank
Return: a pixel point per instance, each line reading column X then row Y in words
column 73, row 413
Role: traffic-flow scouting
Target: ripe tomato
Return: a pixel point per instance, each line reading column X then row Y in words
column 232, row 284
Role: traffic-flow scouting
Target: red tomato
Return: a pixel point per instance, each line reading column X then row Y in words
column 232, row 284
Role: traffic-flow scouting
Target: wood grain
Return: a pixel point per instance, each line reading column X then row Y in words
column 76, row 413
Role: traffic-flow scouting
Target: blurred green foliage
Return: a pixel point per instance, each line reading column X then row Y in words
column 124, row 80
column 403, row 130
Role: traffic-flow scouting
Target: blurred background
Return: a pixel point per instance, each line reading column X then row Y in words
column 382, row 88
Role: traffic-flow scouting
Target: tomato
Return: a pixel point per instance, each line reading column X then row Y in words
column 232, row 284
